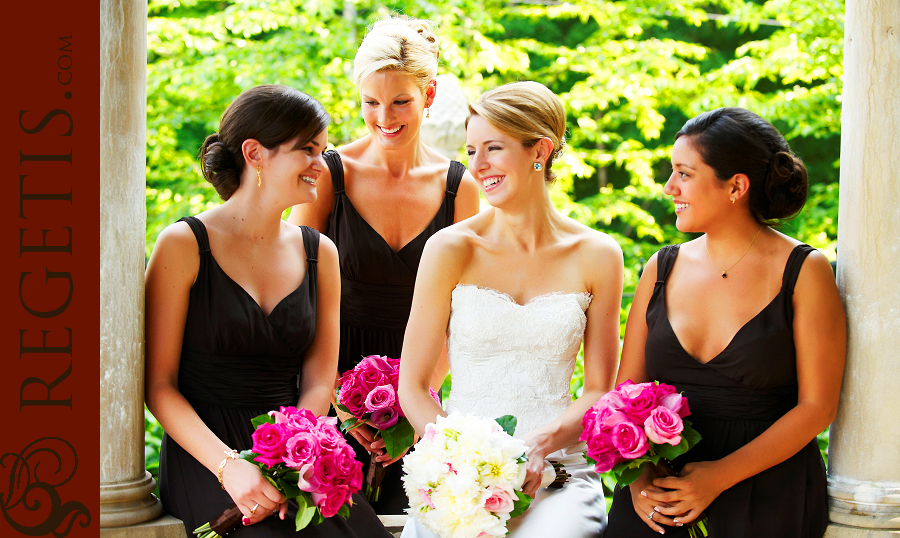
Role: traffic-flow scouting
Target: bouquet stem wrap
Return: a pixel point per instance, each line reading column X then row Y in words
column 374, row 477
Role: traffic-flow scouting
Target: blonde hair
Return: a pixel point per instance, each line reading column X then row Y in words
column 527, row 111
column 402, row 43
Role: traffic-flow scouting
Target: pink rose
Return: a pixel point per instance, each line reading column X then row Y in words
column 430, row 432
column 301, row 448
column 329, row 501
column 380, row 397
column 326, row 471
column 613, row 399
column 384, row 418
column 327, row 433
column 349, row 471
column 295, row 419
column 501, row 500
column 629, row 440
column 664, row 426
column 370, row 377
column 601, row 449
column 353, row 396
column 641, row 403
column 269, row 442
column 677, row 403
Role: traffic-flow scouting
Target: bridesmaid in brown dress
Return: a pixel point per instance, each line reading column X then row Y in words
column 380, row 200
column 748, row 324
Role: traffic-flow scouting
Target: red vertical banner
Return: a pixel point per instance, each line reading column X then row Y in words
column 49, row 281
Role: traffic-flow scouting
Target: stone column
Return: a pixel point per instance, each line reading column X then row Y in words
column 864, row 454
column 125, row 486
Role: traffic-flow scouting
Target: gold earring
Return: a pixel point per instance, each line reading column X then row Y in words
column 259, row 179
column 733, row 199
column 427, row 112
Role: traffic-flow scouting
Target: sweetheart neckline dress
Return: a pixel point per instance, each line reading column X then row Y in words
column 733, row 398
column 518, row 359
column 237, row 362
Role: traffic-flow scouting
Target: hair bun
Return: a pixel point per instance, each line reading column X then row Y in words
column 423, row 28
column 787, row 186
column 219, row 166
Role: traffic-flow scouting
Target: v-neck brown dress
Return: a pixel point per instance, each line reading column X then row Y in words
column 238, row 363
column 376, row 294
column 733, row 398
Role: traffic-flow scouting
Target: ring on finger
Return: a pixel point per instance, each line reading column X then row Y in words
column 649, row 516
column 253, row 510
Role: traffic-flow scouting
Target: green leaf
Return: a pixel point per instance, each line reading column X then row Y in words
column 691, row 435
column 629, row 475
column 305, row 511
column 349, row 424
column 342, row 407
column 344, row 512
column 398, row 437
column 508, row 423
column 520, row 504
column 262, row 419
column 670, row 452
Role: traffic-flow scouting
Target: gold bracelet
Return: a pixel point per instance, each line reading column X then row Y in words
column 230, row 454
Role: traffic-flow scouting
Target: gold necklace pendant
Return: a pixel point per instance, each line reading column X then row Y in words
column 725, row 271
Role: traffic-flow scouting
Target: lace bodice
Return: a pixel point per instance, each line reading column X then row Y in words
column 512, row 359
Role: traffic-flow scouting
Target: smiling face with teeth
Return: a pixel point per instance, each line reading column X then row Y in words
column 393, row 107
column 291, row 169
column 700, row 197
column 503, row 166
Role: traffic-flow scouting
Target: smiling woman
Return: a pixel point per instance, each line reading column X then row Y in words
column 380, row 200
column 242, row 317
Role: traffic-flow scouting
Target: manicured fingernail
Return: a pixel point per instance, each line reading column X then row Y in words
column 644, row 493
column 245, row 520
column 676, row 521
column 677, row 524
column 656, row 509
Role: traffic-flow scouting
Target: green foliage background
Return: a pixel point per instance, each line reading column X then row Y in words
column 630, row 73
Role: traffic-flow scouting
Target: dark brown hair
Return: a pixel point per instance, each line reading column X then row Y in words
column 733, row 141
column 272, row 115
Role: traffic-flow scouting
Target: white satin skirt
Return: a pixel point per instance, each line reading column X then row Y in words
column 577, row 510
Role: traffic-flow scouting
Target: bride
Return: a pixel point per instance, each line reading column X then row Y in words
column 517, row 288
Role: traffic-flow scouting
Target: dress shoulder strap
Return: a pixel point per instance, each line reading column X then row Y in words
column 336, row 167
column 665, row 259
column 310, row 243
column 792, row 267
column 199, row 232
column 454, row 177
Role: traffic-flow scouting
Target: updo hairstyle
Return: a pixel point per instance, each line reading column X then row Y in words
column 733, row 141
column 271, row 115
column 527, row 111
column 401, row 43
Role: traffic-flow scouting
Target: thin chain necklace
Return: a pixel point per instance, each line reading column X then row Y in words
column 724, row 271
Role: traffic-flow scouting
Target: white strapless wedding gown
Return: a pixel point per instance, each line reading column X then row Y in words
column 512, row 359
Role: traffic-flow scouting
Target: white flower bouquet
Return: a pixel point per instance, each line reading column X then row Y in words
column 464, row 477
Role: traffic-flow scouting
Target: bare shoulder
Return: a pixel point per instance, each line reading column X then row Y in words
column 595, row 246
column 177, row 240
column 327, row 250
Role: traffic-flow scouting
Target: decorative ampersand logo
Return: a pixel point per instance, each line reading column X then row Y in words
column 31, row 504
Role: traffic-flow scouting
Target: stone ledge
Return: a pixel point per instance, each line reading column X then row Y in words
column 836, row 530
column 165, row 526
column 393, row 523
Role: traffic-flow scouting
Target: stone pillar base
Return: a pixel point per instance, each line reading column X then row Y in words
column 870, row 505
column 164, row 527
column 842, row 531
column 128, row 503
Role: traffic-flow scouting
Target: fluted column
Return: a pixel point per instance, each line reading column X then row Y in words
column 864, row 453
column 125, row 486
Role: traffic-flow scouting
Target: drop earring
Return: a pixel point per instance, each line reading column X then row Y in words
column 427, row 112
column 258, row 177
column 537, row 167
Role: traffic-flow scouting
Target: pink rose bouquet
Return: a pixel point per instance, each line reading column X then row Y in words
column 307, row 459
column 638, row 424
column 369, row 393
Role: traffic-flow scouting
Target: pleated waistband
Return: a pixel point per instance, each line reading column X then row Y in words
column 238, row 381
column 739, row 403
